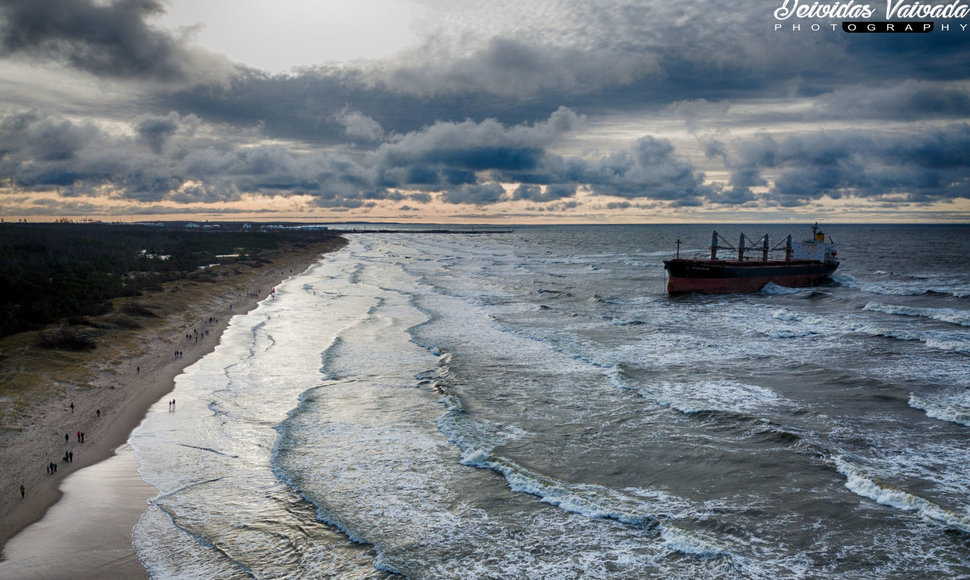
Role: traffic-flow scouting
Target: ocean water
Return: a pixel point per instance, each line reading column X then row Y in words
column 533, row 405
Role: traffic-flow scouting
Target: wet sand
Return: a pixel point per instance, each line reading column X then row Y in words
column 88, row 533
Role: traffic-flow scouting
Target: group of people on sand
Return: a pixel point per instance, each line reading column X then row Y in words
column 69, row 455
column 196, row 335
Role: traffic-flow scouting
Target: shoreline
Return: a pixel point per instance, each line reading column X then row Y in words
column 127, row 379
column 111, row 497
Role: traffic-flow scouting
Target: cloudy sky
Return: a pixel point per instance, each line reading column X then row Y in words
column 543, row 111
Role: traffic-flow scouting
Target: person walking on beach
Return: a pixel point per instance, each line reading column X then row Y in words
column 23, row 491
column 72, row 407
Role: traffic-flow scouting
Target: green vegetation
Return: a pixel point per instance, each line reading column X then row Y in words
column 54, row 271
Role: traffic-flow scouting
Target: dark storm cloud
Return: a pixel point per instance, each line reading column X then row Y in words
column 157, row 131
column 359, row 127
column 684, row 59
column 907, row 101
column 479, row 194
column 931, row 165
column 478, row 122
column 651, row 165
column 519, row 67
column 41, row 139
column 110, row 39
column 434, row 157
column 452, row 154
column 41, row 151
column 313, row 105
column 552, row 192
column 625, row 56
column 593, row 57
column 464, row 163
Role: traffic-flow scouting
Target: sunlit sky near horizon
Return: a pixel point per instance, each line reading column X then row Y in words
column 552, row 111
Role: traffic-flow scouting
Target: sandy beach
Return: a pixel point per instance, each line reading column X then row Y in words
column 92, row 417
column 87, row 534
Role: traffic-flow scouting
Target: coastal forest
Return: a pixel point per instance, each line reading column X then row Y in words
column 55, row 271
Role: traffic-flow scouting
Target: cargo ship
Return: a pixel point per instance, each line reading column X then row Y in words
column 807, row 263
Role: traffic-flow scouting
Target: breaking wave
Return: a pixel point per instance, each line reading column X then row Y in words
column 958, row 317
column 939, row 410
column 863, row 484
column 594, row 501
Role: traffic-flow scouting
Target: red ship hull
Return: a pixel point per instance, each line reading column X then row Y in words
column 730, row 276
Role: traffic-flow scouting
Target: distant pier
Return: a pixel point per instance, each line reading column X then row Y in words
column 422, row 231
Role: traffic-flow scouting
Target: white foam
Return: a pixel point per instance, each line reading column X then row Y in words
column 787, row 315
column 592, row 501
column 952, row 316
column 690, row 543
column 635, row 507
column 475, row 457
column 699, row 396
column 914, row 286
column 940, row 410
column 772, row 288
column 888, row 288
column 862, row 484
column 779, row 332
column 631, row 506
column 939, row 340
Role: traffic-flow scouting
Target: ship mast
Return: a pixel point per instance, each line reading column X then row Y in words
column 715, row 246
column 762, row 244
column 744, row 246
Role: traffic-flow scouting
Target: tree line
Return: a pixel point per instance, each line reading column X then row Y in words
column 51, row 271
